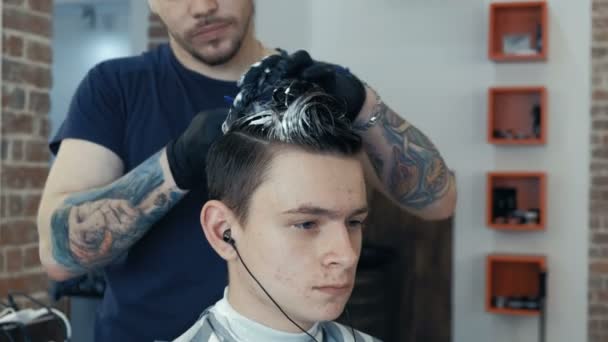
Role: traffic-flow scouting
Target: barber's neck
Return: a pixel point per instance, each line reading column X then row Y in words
column 253, row 304
column 251, row 51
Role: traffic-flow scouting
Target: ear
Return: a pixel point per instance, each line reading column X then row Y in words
column 216, row 218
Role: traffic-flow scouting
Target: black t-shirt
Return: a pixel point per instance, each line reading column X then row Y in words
column 134, row 106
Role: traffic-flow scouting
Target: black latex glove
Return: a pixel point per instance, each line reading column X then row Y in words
column 186, row 154
column 338, row 82
column 262, row 77
column 334, row 79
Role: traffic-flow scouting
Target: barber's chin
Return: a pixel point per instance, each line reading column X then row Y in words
column 217, row 55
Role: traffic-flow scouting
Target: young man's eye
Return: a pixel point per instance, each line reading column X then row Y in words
column 356, row 224
column 306, row 225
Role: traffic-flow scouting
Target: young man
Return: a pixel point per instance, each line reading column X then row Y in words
column 286, row 211
column 125, row 190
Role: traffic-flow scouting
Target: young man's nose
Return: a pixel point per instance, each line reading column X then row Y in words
column 341, row 246
column 202, row 8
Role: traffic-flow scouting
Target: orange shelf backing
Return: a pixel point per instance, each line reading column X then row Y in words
column 510, row 109
column 530, row 194
column 521, row 18
column 512, row 276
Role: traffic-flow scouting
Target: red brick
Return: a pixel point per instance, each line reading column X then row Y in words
column 28, row 283
column 39, row 52
column 599, row 239
column 24, row 177
column 44, row 6
column 26, row 74
column 13, row 123
column 14, row 260
column 14, row 2
column 18, row 232
column 594, row 223
column 596, row 81
column 12, row 45
column 598, row 310
column 599, row 52
column 599, row 181
column 2, row 268
column 36, row 151
column 157, row 32
column 599, row 267
column 13, row 98
column 4, row 152
column 600, row 22
column 601, row 153
column 17, row 150
column 31, row 258
column 600, row 36
column 26, row 22
column 600, row 95
column 40, row 102
column 153, row 18
column 14, row 205
column 599, row 125
column 44, row 127
column 31, row 202
column 2, row 210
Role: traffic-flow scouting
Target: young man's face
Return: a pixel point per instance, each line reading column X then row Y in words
column 212, row 31
column 302, row 238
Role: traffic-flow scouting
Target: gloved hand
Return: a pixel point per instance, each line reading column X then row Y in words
column 186, row 154
column 334, row 79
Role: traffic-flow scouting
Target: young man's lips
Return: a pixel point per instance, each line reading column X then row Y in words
column 210, row 29
column 334, row 289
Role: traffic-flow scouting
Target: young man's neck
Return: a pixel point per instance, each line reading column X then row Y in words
column 266, row 313
column 251, row 51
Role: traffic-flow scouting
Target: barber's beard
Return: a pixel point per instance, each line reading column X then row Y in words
column 213, row 59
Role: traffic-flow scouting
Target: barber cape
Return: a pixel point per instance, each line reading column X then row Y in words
column 221, row 323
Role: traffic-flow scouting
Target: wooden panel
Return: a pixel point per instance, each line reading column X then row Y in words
column 420, row 277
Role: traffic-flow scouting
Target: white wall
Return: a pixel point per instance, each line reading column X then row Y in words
column 77, row 47
column 284, row 24
column 428, row 60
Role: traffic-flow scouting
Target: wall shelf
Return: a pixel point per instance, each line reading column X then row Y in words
column 518, row 31
column 515, row 284
column 516, row 201
column 517, row 115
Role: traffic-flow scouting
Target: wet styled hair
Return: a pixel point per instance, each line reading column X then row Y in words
column 269, row 118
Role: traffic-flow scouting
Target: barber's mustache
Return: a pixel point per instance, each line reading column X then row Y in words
column 205, row 22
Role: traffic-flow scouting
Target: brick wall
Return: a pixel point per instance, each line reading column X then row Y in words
column 26, row 82
column 157, row 33
column 598, row 243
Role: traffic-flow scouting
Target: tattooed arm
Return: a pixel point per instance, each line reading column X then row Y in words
column 90, row 213
column 404, row 164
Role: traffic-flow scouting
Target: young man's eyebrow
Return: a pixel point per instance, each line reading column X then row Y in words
column 314, row 210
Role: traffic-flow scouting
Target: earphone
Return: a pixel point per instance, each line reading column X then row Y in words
column 227, row 237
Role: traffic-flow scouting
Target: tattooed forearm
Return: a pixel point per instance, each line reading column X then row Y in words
column 406, row 161
column 91, row 229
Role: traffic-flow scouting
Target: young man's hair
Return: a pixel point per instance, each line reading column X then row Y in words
column 297, row 115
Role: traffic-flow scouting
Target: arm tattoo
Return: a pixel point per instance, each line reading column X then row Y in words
column 91, row 229
column 407, row 162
